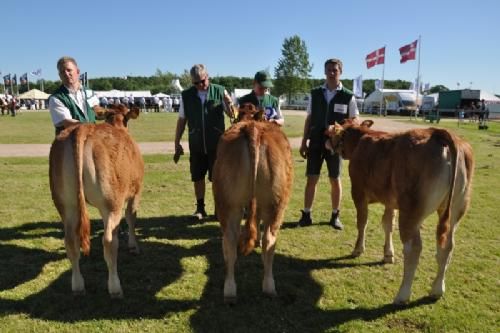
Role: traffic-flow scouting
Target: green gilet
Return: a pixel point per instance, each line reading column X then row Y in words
column 205, row 122
column 266, row 101
column 324, row 115
column 63, row 95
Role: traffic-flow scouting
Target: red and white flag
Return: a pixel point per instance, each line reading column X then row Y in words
column 375, row 58
column 408, row 52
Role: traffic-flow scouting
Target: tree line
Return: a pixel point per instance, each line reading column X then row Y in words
column 292, row 75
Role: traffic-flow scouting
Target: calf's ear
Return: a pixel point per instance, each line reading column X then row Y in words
column 367, row 123
column 100, row 112
column 133, row 113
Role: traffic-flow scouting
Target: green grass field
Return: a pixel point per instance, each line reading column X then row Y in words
column 175, row 285
column 36, row 127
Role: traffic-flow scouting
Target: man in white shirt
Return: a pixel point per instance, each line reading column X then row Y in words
column 329, row 104
column 71, row 103
column 202, row 110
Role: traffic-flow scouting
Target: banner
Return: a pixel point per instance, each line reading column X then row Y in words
column 14, row 80
column 427, row 86
column 378, row 84
column 375, row 58
column 83, row 79
column 38, row 72
column 408, row 52
column 24, row 78
column 6, row 80
column 357, row 86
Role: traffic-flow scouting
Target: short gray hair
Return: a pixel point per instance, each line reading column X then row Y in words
column 198, row 71
column 63, row 60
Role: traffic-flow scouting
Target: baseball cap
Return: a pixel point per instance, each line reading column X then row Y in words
column 264, row 79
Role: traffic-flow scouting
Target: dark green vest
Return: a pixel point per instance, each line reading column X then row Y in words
column 323, row 115
column 205, row 122
column 267, row 100
column 63, row 95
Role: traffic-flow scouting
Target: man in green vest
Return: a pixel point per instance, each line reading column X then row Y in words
column 202, row 108
column 261, row 98
column 329, row 104
column 71, row 103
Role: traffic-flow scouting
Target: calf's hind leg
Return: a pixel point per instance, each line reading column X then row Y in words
column 131, row 217
column 110, row 247
column 388, row 225
column 412, row 247
column 230, row 220
column 72, row 244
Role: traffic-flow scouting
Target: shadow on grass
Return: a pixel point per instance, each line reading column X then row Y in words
column 158, row 266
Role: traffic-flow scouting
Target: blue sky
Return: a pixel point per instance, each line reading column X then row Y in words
column 460, row 39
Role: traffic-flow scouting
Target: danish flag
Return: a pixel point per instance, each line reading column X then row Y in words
column 408, row 52
column 375, row 58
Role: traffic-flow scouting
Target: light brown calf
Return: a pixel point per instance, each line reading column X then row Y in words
column 253, row 165
column 102, row 165
column 418, row 172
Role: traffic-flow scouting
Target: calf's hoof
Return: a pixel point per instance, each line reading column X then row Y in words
column 401, row 299
column 271, row 294
column 134, row 250
column 116, row 295
column 389, row 259
column 230, row 300
column 356, row 253
column 437, row 290
column 79, row 293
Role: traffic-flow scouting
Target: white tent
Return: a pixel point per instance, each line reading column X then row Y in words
column 239, row 93
column 34, row 94
column 489, row 98
column 123, row 93
column 161, row 95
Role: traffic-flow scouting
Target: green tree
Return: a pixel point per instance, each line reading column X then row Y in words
column 292, row 71
column 438, row 88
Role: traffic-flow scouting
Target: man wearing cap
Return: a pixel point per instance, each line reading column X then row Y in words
column 202, row 108
column 71, row 103
column 261, row 98
column 329, row 104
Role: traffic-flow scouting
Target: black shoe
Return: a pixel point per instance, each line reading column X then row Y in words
column 200, row 213
column 335, row 221
column 305, row 220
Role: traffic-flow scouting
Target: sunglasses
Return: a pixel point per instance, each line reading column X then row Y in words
column 199, row 82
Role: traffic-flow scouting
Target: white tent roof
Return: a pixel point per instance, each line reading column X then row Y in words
column 34, row 94
column 405, row 94
column 122, row 93
column 161, row 95
column 488, row 97
column 241, row 92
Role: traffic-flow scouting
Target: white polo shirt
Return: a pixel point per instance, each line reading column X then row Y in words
column 59, row 112
column 330, row 94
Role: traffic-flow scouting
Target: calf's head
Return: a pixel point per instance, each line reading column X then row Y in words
column 117, row 115
column 248, row 111
column 343, row 139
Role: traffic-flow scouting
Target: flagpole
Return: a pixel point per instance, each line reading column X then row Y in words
column 418, row 66
column 382, row 85
column 28, row 81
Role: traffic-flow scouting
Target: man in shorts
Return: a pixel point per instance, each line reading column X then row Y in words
column 329, row 104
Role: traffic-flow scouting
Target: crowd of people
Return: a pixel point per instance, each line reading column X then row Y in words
column 146, row 104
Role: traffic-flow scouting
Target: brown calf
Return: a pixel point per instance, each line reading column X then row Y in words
column 102, row 165
column 417, row 172
column 254, row 164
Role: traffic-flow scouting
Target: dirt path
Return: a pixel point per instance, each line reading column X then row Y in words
column 149, row 148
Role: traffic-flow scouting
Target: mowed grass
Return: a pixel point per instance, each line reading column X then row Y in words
column 175, row 285
column 36, row 127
